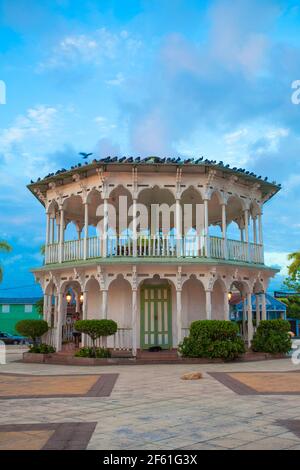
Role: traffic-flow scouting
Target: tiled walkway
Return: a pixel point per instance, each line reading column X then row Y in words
column 150, row 407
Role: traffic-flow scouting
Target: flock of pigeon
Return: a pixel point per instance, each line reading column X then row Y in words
column 153, row 160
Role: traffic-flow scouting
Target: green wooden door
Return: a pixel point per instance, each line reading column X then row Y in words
column 156, row 317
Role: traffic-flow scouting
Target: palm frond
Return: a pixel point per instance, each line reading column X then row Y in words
column 5, row 247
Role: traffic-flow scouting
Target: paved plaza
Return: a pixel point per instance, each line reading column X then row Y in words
column 254, row 405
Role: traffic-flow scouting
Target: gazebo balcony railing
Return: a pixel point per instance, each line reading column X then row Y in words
column 157, row 246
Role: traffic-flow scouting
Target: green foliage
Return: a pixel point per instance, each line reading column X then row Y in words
column 96, row 328
column 293, row 306
column 4, row 248
column 272, row 336
column 89, row 352
column 213, row 339
column 40, row 306
column 42, row 349
column 32, row 328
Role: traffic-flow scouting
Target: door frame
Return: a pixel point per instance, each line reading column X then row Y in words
column 142, row 314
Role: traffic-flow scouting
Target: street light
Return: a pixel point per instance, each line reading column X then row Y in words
column 229, row 295
column 81, row 298
column 68, row 297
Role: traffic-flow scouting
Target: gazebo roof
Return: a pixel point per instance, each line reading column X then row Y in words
column 155, row 163
column 272, row 304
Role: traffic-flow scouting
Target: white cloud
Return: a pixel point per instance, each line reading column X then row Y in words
column 117, row 81
column 277, row 259
column 93, row 48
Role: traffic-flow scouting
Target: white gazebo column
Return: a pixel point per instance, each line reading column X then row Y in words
column 244, row 315
column 246, row 215
column 134, row 227
column 208, row 304
column 104, row 303
column 178, row 226
column 254, row 229
column 260, row 236
column 86, row 230
column 263, row 306
column 206, row 229
column 61, row 235
column 134, row 320
column 84, row 316
column 250, row 319
column 226, row 306
column 105, row 226
column 52, row 239
column 257, row 309
column 47, row 228
column 224, row 231
column 45, row 308
column 60, row 307
column 260, row 229
column 178, row 314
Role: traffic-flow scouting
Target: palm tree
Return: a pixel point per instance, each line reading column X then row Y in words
column 294, row 267
column 4, row 248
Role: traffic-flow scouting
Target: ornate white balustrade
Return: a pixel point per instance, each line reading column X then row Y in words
column 120, row 341
column 156, row 246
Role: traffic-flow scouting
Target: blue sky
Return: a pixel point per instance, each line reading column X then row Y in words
column 142, row 77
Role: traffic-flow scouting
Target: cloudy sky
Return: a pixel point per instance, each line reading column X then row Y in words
column 140, row 77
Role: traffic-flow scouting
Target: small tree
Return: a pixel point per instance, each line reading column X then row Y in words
column 272, row 336
column 96, row 329
column 33, row 329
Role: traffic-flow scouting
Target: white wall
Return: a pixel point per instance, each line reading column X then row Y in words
column 193, row 302
column 217, row 302
column 94, row 300
column 120, row 303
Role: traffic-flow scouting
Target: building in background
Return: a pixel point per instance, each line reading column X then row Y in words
column 13, row 310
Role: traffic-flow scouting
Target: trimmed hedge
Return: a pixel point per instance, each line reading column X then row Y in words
column 213, row 339
column 89, row 352
column 33, row 329
column 42, row 349
column 95, row 329
column 272, row 336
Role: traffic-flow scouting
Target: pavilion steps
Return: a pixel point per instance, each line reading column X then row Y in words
column 156, row 357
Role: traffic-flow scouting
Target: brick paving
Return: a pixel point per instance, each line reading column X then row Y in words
column 150, row 407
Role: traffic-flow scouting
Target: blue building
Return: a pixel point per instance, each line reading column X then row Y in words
column 275, row 308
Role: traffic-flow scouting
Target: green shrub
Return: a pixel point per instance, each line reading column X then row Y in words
column 33, row 329
column 96, row 329
column 42, row 349
column 89, row 352
column 213, row 339
column 272, row 336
